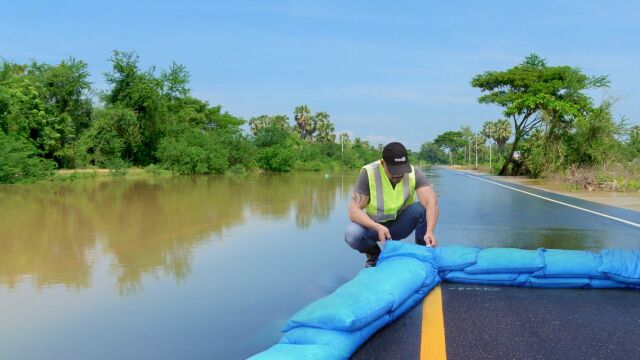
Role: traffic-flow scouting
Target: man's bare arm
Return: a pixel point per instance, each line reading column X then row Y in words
column 429, row 201
column 357, row 203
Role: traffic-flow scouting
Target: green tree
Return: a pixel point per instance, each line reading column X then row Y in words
column 113, row 135
column 634, row 140
column 144, row 93
column 594, row 141
column 432, row 153
column 502, row 133
column 453, row 141
column 467, row 134
column 47, row 104
column 19, row 161
column 304, row 122
column 194, row 152
column 256, row 124
column 527, row 89
column 325, row 129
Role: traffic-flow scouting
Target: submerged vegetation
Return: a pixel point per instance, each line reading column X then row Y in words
column 554, row 127
column 51, row 117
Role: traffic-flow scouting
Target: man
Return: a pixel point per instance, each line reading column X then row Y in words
column 383, row 204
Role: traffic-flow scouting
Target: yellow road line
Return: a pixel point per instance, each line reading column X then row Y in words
column 433, row 344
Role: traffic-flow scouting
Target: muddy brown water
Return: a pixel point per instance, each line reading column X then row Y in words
column 211, row 267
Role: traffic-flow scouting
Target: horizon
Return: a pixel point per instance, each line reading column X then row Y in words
column 384, row 73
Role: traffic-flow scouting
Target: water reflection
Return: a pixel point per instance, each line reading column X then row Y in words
column 50, row 234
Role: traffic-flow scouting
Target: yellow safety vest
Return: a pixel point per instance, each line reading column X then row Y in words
column 385, row 201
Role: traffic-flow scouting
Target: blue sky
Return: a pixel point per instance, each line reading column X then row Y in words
column 383, row 70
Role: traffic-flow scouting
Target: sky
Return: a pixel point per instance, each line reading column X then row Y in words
column 384, row 70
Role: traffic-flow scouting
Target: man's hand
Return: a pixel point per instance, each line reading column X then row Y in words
column 430, row 239
column 383, row 234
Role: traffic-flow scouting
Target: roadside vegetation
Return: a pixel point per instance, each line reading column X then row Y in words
column 51, row 118
column 551, row 128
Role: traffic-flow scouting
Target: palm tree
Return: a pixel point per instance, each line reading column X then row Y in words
column 304, row 121
column 324, row 128
column 467, row 133
column 502, row 133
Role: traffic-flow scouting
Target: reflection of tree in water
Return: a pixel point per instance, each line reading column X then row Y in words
column 149, row 227
column 43, row 234
column 308, row 195
column 153, row 228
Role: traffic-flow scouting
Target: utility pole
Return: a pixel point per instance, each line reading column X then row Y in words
column 476, row 138
column 490, row 145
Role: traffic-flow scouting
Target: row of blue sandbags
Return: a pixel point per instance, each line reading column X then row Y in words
column 552, row 268
column 335, row 326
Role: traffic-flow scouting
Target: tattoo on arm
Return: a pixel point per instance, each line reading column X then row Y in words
column 360, row 200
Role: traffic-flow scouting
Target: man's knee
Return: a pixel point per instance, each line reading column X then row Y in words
column 416, row 209
column 355, row 236
column 353, row 233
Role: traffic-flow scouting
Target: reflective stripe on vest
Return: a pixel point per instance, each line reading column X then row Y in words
column 386, row 202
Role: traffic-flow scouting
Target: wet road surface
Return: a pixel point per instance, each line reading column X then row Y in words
column 488, row 322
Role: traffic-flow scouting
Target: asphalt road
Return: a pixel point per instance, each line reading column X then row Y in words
column 483, row 322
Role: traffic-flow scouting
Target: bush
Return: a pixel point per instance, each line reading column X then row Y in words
column 194, row 152
column 101, row 145
column 276, row 158
column 313, row 165
column 19, row 161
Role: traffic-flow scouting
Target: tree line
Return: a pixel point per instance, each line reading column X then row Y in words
column 550, row 124
column 52, row 118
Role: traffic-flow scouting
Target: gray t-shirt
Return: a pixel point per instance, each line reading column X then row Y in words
column 362, row 184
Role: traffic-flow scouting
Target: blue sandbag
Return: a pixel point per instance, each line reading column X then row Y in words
column 298, row 352
column 335, row 326
column 399, row 249
column 403, row 277
column 558, row 283
column 455, row 257
column 342, row 342
column 507, row 261
column 372, row 293
column 416, row 298
column 487, row 279
column 621, row 265
column 570, row 264
column 352, row 306
column 608, row 284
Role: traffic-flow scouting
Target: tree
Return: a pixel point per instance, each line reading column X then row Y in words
column 324, row 127
column 256, row 124
column 432, row 153
column 531, row 87
column 47, row 104
column 304, row 122
column 594, row 139
column 19, row 161
column 453, row 141
column 113, row 135
column 634, row 139
column 502, row 133
column 194, row 152
column 488, row 129
column 467, row 134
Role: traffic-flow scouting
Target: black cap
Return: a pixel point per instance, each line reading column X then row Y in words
column 396, row 157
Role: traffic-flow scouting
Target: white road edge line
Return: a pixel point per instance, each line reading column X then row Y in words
column 552, row 200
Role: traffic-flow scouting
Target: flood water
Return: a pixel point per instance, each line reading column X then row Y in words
column 211, row 267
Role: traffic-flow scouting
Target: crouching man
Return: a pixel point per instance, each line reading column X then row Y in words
column 383, row 205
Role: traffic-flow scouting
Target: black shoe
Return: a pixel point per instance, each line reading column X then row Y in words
column 372, row 259
column 372, row 256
